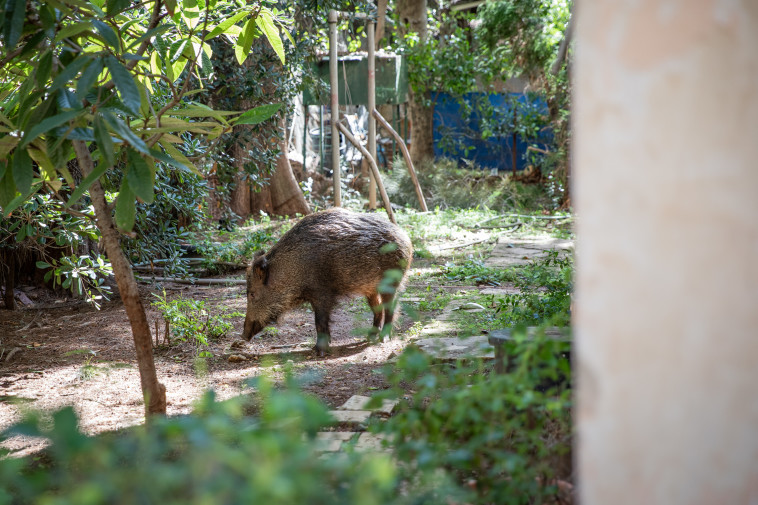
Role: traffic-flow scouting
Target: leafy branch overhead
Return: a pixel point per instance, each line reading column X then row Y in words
column 119, row 77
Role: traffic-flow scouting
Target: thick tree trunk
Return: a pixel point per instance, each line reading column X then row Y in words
column 412, row 17
column 153, row 391
column 282, row 196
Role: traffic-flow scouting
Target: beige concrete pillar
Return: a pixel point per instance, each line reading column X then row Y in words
column 666, row 189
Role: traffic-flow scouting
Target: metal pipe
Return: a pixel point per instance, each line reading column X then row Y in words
column 406, row 155
column 371, row 106
column 335, row 106
column 374, row 168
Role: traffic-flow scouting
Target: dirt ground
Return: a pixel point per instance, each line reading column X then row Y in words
column 60, row 352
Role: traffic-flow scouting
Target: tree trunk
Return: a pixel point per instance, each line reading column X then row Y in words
column 10, row 280
column 282, row 196
column 153, row 391
column 381, row 15
column 412, row 19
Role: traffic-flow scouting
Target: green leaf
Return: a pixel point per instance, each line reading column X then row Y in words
column 113, row 7
column 43, row 264
column 119, row 127
column 266, row 23
column 104, row 142
column 18, row 201
column 31, row 44
column 48, row 124
column 44, row 67
column 83, row 186
column 88, row 79
column 125, row 211
column 73, row 30
column 139, row 176
column 127, row 89
column 177, row 156
column 223, row 26
column 22, row 170
column 245, row 41
column 69, row 72
column 7, row 190
column 14, row 23
column 258, row 114
column 108, row 34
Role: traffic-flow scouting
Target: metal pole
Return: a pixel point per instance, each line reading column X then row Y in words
column 335, row 112
column 407, row 155
column 321, row 136
column 372, row 163
column 305, row 135
column 371, row 106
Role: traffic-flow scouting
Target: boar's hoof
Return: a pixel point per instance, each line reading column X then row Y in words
column 321, row 352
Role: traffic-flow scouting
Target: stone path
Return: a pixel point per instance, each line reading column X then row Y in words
column 355, row 415
column 509, row 251
column 436, row 339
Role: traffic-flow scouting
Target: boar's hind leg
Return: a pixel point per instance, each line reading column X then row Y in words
column 323, row 312
column 375, row 302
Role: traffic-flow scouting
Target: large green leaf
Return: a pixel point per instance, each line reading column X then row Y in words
column 70, row 71
column 88, row 79
column 113, row 7
column 44, row 67
column 108, row 34
column 125, row 211
column 245, row 41
column 104, row 142
column 125, row 84
column 15, row 12
column 22, row 170
column 141, row 179
column 266, row 23
column 7, row 189
column 48, row 124
column 258, row 114
column 223, row 26
column 120, row 128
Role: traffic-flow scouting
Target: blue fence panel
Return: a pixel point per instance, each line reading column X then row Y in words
column 458, row 128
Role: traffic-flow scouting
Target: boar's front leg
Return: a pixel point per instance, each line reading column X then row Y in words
column 323, row 311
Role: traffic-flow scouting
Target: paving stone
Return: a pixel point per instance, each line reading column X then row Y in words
column 358, row 402
column 351, row 416
column 509, row 252
column 457, row 347
column 370, row 442
column 331, row 441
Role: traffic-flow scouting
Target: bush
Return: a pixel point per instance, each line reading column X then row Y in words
column 506, row 436
column 190, row 321
column 217, row 455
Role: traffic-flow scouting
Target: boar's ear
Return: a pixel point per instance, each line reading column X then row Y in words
column 260, row 269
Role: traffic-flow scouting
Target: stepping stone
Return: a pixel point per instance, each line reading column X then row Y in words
column 331, row 441
column 451, row 348
column 351, row 416
column 358, row 402
column 371, row 442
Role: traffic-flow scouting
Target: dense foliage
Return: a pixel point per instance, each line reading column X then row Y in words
column 217, row 455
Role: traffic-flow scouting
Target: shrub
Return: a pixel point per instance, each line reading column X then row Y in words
column 217, row 455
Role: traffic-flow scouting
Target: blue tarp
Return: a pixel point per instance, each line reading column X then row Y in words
column 458, row 128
